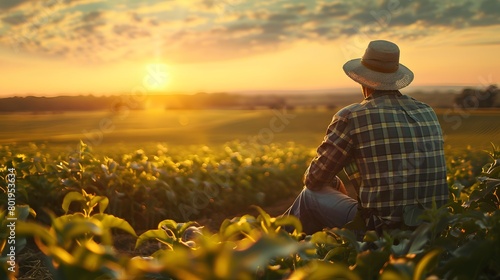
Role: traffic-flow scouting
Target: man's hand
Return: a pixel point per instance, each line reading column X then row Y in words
column 342, row 188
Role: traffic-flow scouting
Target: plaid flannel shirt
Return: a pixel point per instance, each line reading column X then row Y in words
column 391, row 147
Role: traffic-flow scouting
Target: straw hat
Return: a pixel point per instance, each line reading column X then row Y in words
column 379, row 68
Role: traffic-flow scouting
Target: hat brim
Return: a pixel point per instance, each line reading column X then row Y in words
column 378, row 80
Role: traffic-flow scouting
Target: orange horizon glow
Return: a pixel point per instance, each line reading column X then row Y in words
column 200, row 62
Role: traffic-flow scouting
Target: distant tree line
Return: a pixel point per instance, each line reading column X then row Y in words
column 468, row 98
column 115, row 103
column 204, row 100
column 477, row 98
column 56, row 104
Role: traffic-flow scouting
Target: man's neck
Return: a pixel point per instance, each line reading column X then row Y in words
column 367, row 91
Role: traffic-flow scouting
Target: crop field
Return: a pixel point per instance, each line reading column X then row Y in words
column 136, row 129
column 180, row 195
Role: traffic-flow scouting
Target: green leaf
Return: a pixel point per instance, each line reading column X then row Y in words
column 476, row 194
column 158, row 234
column 348, row 236
column 401, row 248
column 412, row 214
column 170, row 224
column 60, row 255
column 487, row 207
column 322, row 237
column 469, row 260
column 103, row 203
column 181, row 227
column 87, row 259
column 370, row 236
column 264, row 217
column 494, row 168
column 22, row 212
column 32, row 212
column 33, row 229
column 76, row 229
column 110, row 221
column 235, row 229
column 456, row 189
column 289, row 221
column 336, row 254
column 58, row 223
column 427, row 264
column 266, row 248
column 369, row 263
column 70, row 197
column 419, row 239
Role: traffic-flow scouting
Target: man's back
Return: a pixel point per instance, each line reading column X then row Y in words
column 397, row 147
column 390, row 145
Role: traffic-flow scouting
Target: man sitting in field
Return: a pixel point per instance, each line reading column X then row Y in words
column 390, row 146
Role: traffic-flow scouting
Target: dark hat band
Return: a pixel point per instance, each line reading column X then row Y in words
column 380, row 66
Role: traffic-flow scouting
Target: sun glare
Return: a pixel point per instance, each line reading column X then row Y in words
column 157, row 77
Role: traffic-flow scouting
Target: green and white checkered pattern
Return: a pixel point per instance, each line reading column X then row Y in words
column 391, row 147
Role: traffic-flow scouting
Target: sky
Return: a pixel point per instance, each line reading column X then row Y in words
column 55, row 47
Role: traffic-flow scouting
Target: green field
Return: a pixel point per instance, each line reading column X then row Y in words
column 144, row 189
column 104, row 130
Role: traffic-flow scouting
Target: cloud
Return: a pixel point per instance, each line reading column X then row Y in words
column 192, row 20
column 6, row 5
column 488, row 14
column 14, row 19
column 332, row 10
column 189, row 30
column 92, row 16
column 89, row 22
column 130, row 31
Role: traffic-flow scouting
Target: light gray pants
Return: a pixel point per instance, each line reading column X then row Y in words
column 323, row 209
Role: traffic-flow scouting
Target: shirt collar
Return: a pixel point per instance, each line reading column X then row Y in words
column 379, row 93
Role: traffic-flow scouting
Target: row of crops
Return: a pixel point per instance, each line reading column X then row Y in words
column 74, row 203
column 147, row 186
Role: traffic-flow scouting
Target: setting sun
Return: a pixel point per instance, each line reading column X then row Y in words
column 157, row 77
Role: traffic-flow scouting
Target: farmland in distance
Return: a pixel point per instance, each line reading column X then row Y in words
column 136, row 129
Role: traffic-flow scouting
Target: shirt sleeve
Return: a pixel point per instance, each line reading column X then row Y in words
column 332, row 155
